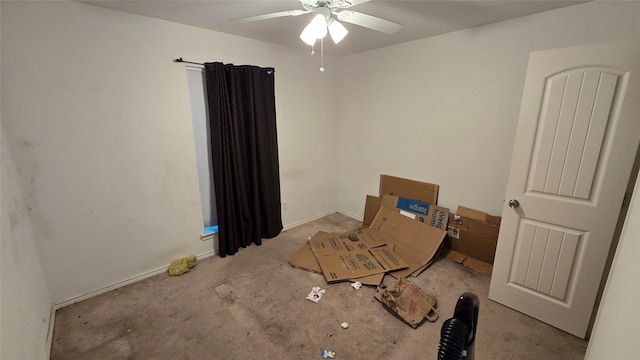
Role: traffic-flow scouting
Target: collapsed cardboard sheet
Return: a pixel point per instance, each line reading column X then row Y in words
column 353, row 255
column 417, row 243
column 410, row 189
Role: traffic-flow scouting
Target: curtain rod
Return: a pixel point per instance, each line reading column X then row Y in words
column 179, row 60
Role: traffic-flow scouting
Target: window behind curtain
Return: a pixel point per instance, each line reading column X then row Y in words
column 202, row 140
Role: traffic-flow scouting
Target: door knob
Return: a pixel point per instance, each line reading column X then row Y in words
column 513, row 203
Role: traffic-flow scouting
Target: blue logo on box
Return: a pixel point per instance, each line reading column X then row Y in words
column 436, row 219
column 413, row 206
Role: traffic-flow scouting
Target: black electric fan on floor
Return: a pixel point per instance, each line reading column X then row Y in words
column 458, row 334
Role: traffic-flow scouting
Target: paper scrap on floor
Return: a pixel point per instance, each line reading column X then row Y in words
column 316, row 294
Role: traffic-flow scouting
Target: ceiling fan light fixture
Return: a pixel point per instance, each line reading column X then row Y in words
column 316, row 29
column 308, row 36
column 319, row 26
column 337, row 30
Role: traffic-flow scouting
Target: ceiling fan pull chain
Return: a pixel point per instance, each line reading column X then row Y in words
column 322, row 55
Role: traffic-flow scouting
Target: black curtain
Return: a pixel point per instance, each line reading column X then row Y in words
column 244, row 148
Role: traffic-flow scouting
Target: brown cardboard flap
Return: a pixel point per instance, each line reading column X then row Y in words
column 433, row 259
column 454, row 255
column 478, row 265
column 471, row 213
column 371, row 206
column 494, row 220
column 484, row 228
column 305, row 259
column 411, row 189
column 468, row 262
column 412, row 238
column 372, row 280
column 413, row 257
column 388, row 258
column 348, row 265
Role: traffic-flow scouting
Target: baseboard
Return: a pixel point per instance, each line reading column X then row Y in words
column 120, row 284
column 49, row 344
column 359, row 218
column 304, row 221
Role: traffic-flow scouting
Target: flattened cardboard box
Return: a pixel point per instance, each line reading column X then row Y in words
column 353, row 255
column 324, row 243
column 305, row 259
column 417, row 243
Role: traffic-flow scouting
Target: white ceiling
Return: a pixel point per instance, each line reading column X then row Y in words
column 419, row 19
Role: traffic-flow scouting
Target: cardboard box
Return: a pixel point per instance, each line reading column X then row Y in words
column 472, row 238
column 416, row 242
column 432, row 215
column 429, row 214
column 401, row 188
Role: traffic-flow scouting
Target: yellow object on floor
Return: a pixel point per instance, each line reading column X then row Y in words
column 182, row 265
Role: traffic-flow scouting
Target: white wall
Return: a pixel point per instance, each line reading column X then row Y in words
column 109, row 171
column 25, row 300
column 617, row 327
column 445, row 109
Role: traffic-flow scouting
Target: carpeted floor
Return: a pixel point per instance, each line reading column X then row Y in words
column 252, row 306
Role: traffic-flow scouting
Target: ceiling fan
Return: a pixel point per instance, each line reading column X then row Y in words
column 323, row 23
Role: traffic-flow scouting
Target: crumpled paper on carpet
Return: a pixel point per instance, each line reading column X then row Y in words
column 182, row 265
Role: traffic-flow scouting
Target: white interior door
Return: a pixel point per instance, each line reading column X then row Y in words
column 576, row 141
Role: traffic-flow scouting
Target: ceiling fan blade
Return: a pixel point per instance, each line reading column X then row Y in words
column 368, row 21
column 270, row 16
column 356, row 2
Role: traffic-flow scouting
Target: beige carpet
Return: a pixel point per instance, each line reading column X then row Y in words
column 252, row 306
